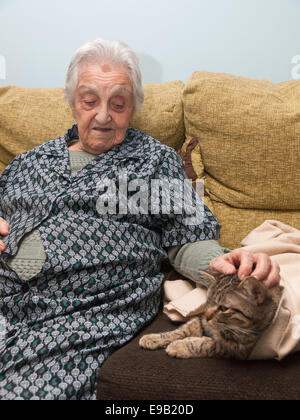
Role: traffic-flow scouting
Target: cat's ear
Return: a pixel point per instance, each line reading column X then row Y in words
column 254, row 290
column 205, row 278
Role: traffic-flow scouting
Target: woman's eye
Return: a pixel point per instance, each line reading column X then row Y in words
column 118, row 106
column 89, row 103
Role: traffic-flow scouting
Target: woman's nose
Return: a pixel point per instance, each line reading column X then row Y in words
column 103, row 116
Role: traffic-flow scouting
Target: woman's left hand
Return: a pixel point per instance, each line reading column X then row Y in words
column 257, row 265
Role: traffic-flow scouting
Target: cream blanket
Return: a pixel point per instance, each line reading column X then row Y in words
column 282, row 243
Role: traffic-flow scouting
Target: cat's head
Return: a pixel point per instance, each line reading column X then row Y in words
column 247, row 305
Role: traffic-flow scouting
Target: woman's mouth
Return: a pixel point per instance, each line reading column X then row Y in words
column 102, row 129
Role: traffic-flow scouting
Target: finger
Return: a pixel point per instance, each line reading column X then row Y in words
column 4, row 227
column 221, row 265
column 246, row 260
column 2, row 247
column 273, row 278
column 263, row 266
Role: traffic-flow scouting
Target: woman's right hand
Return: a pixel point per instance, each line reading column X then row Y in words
column 4, row 230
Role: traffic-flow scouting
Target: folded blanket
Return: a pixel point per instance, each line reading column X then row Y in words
column 282, row 243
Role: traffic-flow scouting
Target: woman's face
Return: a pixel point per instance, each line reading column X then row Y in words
column 103, row 107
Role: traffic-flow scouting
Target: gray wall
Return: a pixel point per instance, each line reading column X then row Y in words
column 173, row 38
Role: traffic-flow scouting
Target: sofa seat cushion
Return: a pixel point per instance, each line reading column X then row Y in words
column 29, row 117
column 135, row 374
column 249, row 133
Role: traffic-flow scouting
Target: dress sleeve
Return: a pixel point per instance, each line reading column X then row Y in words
column 190, row 258
column 7, row 178
column 181, row 213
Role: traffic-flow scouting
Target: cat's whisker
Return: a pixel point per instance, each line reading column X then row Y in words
column 234, row 329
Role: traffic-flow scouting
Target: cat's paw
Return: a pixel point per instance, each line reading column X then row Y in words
column 179, row 349
column 191, row 347
column 151, row 342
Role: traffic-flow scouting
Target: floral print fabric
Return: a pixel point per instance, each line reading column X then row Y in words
column 101, row 282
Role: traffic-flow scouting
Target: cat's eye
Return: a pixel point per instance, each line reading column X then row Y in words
column 244, row 315
column 223, row 308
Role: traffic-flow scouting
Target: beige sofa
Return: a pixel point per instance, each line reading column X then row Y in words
column 248, row 134
column 242, row 136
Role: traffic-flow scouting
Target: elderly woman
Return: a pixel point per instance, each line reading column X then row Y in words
column 77, row 283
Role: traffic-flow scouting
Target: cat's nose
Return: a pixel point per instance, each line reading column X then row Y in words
column 209, row 313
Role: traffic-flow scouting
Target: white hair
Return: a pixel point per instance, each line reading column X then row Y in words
column 107, row 52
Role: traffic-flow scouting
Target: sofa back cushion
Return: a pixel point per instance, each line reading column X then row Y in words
column 249, row 134
column 162, row 114
column 29, row 117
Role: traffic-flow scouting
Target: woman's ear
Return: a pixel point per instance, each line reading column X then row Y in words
column 132, row 116
column 72, row 107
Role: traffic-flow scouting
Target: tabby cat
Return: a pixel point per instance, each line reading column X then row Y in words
column 229, row 324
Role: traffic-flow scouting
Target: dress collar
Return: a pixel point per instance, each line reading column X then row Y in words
column 58, row 149
column 59, row 146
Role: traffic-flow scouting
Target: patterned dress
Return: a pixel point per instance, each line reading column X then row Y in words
column 101, row 281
